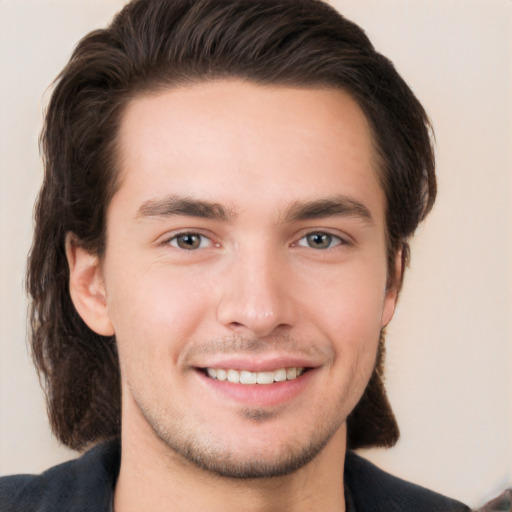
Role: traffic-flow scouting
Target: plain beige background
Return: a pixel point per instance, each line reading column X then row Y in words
column 449, row 346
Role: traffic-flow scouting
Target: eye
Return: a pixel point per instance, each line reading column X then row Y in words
column 320, row 240
column 190, row 241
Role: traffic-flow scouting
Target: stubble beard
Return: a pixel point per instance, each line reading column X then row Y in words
column 191, row 442
column 204, row 452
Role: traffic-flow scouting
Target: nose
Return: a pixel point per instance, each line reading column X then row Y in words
column 256, row 296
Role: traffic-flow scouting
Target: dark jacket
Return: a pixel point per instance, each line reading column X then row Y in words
column 86, row 485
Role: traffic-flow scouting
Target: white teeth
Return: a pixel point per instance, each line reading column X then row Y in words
column 246, row 377
column 280, row 375
column 265, row 378
column 233, row 376
column 291, row 373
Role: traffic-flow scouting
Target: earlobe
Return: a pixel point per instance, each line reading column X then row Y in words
column 393, row 289
column 87, row 288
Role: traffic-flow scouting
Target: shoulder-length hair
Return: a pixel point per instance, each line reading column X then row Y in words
column 158, row 44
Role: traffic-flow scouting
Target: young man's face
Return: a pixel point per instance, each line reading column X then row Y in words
column 247, row 241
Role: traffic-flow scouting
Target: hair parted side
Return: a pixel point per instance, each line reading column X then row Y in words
column 159, row 44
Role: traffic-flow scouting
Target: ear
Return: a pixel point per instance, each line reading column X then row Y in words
column 393, row 289
column 87, row 288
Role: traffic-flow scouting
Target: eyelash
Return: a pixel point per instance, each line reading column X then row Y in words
column 331, row 242
column 174, row 240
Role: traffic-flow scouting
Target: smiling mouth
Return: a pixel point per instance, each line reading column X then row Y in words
column 249, row 378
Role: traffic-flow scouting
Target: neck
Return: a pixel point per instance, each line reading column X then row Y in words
column 153, row 477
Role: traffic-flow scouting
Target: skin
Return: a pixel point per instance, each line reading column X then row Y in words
column 248, row 232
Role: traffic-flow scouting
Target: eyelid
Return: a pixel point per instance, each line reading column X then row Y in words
column 202, row 238
column 343, row 239
column 168, row 238
column 334, row 241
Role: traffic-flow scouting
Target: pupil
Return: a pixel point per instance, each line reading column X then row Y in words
column 320, row 240
column 188, row 241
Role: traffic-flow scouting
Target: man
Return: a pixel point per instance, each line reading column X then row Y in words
column 220, row 242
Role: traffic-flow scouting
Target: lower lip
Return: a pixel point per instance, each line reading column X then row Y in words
column 266, row 395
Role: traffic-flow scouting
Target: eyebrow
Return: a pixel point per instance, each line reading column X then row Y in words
column 328, row 207
column 171, row 205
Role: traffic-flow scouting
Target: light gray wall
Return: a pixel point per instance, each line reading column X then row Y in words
column 449, row 346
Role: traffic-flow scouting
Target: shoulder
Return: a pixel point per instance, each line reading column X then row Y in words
column 375, row 490
column 81, row 485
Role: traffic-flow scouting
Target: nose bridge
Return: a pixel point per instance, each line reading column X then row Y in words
column 255, row 295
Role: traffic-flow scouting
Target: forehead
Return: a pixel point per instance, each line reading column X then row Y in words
column 224, row 139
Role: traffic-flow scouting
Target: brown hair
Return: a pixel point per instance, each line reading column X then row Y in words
column 153, row 44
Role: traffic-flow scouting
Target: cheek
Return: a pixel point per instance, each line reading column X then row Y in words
column 154, row 312
column 350, row 302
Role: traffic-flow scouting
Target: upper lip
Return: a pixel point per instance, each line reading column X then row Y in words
column 258, row 363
